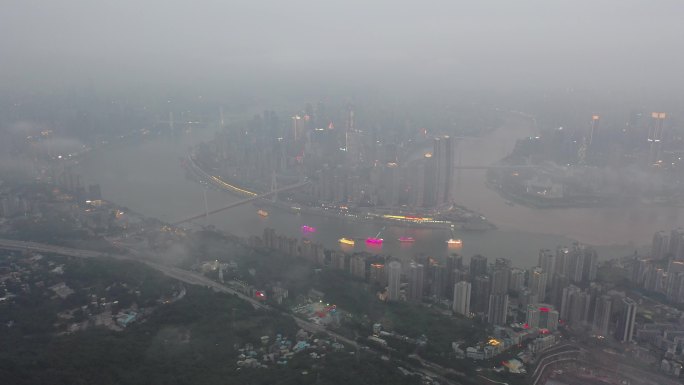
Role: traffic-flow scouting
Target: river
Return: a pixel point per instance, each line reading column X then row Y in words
column 147, row 177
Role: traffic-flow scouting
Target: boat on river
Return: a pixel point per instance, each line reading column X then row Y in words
column 347, row 241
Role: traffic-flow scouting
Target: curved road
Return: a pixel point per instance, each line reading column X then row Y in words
column 198, row 279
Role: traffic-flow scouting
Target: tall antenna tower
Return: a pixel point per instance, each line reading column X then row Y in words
column 594, row 128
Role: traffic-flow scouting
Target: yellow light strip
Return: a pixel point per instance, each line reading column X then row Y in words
column 235, row 188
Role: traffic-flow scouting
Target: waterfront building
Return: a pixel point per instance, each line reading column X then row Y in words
column 378, row 274
column 453, row 265
column 478, row 265
column 438, row 279
column 394, row 284
column 444, row 155
column 338, row 260
column 357, row 266
column 416, row 275
column 428, row 182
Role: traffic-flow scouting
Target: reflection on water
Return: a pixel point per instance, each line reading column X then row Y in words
column 147, row 177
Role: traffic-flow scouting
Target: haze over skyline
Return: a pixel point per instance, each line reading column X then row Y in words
column 491, row 45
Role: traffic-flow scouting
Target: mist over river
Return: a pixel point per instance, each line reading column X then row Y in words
column 146, row 176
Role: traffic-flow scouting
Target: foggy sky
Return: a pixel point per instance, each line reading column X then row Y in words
column 488, row 43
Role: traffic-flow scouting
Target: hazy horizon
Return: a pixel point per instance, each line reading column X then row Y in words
column 494, row 45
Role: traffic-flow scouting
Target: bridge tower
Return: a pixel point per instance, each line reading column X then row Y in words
column 582, row 152
column 274, row 186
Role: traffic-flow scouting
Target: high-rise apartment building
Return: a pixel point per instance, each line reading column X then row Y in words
column 461, row 303
column 394, row 281
column 626, row 321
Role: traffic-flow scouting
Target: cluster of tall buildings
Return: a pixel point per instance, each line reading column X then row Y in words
column 344, row 163
column 296, row 247
column 560, row 290
column 663, row 272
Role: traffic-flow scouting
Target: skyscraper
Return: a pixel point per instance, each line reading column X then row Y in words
column 438, row 277
column 428, row 182
column 659, row 246
column 676, row 245
column 547, row 262
column 602, row 312
column 500, row 279
column 444, row 155
column 517, row 281
column 498, row 309
column 394, row 284
column 461, row 303
column 416, row 274
column 453, row 265
column 589, row 268
column 566, row 304
column 575, row 265
column 357, row 266
column 537, row 284
column 479, row 302
column 378, row 274
column 478, row 265
column 625, row 327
